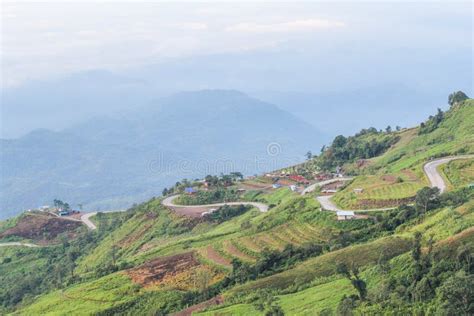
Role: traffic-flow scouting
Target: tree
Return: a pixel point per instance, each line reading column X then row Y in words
column 388, row 129
column 427, row 199
column 416, row 247
column 274, row 310
column 237, row 175
column 309, row 155
column 464, row 258
column 113, row 253
column 353, row 276
column 346, row 305
column 202, row 278
column 339, row 141
column 457, row 97
column 456, row 295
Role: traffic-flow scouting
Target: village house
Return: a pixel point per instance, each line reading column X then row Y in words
column 345, row 215
column 276, row 185
column 189, row 190
column 62, row 212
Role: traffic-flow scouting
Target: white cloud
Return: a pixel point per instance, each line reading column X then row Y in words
column 191, row 26
column 292, row 26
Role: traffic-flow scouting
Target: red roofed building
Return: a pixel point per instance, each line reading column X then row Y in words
column 298, row 178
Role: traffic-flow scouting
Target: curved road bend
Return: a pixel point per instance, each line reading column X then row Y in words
column 168, row 202
column 86, row 218
column 430, row 169
column 313, row 186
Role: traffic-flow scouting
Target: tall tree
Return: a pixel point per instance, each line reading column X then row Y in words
column 457, row 97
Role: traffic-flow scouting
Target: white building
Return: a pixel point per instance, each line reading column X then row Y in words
column 345, row 215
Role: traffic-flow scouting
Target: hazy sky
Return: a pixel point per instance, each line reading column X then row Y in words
column 45, row 39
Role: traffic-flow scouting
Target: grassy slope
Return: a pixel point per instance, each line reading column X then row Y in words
column 325, row 265
column 405, row 160
column 326, row 292
column 153, row 232
column 85, row 298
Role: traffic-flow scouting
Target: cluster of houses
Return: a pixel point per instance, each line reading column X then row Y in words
column 54, row 210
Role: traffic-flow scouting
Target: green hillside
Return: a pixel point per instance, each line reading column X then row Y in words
column 294, row 259
column 395, row 176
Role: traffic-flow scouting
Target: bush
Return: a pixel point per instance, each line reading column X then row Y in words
column 226, row 212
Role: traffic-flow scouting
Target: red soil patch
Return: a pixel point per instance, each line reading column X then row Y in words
column 201, row 306
column 389, row 178
column 190, row 211
column 134, row 236
column 230, row 248
column 333, row 186
column 213, row 255
column 286, row 182
column 410, row 174
column 156, row 271
column 42, row 228
column 362, row 163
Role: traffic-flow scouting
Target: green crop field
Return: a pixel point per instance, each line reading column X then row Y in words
column 459, row 173
column 379, row 190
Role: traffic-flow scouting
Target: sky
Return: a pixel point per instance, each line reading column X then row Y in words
column 48, row 39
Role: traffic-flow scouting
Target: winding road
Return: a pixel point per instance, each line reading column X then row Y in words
column 169, row 202
column 313, row 186
column 15, row 243
column 86, row 218
column 430, row 169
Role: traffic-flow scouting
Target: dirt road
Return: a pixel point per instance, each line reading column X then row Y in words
column 196, row 210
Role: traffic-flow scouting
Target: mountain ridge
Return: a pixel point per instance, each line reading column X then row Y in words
column 188, row 127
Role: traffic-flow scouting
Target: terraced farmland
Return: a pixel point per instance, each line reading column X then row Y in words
column 380, row 190
column 459, row 172
column 248, row 248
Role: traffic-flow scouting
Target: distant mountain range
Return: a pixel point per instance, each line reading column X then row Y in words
column 112, row 162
